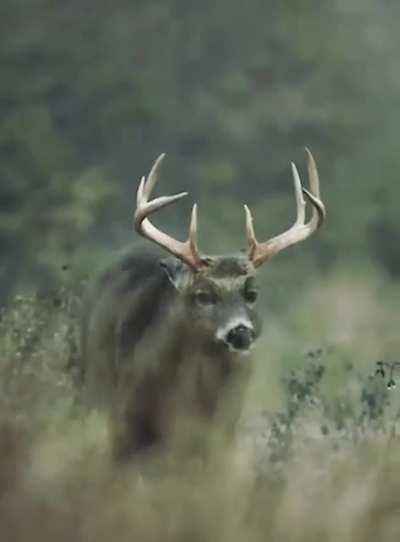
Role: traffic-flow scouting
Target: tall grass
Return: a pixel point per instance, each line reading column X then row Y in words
column 317, row 455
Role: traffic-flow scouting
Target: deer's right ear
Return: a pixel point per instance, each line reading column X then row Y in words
column 176, row 271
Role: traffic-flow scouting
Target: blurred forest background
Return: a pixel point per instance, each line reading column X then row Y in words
column 91, row 92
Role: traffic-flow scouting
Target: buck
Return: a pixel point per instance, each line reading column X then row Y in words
column 168, row 334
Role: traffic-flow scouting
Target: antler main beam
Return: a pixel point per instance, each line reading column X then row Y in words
column 186, row 251
column 259, row 253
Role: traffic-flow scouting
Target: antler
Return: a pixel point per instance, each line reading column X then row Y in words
column 261, row 252
column 187, row 251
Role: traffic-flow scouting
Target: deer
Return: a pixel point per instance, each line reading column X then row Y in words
column 169, row 331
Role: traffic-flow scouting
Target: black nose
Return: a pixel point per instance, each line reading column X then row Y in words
column 240, row 337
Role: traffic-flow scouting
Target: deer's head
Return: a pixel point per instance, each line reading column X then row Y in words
column 221, row 291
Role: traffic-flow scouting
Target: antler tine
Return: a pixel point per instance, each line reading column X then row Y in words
column 261, row 252
column 152, row 177
column 313, row 176
column 139, row 193
column 193, row 229
column 300, row 203
column 251, row 234
column 186, row 251
column 318, row 211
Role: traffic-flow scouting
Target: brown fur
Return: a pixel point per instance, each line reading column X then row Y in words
column 151, row 358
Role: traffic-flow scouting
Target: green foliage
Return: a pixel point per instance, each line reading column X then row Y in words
column 39, row 352
column 90, row 95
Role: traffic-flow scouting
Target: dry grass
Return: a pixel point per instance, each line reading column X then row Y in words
column 324, row 466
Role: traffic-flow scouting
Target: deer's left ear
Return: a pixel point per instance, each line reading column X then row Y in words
column 176, row 271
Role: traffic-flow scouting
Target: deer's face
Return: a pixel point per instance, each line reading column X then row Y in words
column 220, row 301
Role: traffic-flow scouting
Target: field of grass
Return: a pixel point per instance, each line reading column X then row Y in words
column 317, row 456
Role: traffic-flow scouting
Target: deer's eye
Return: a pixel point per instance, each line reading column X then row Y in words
column 250, row 296
column 204, row 298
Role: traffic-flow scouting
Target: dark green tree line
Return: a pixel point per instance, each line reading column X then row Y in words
column 91, row 92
